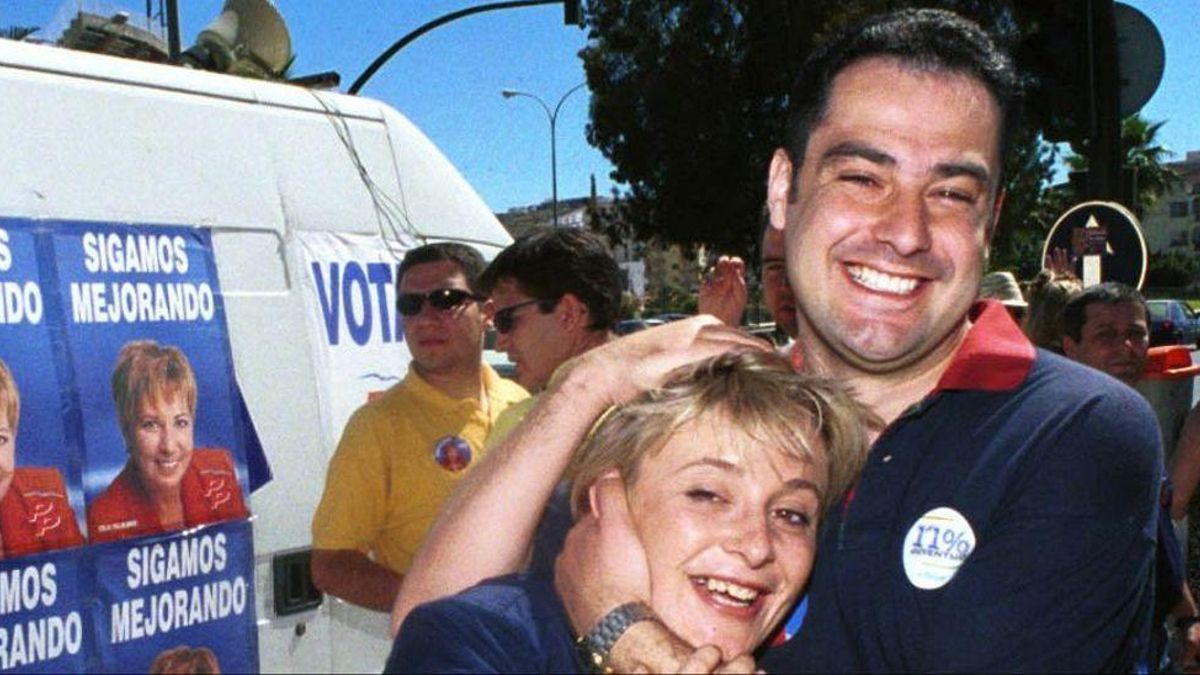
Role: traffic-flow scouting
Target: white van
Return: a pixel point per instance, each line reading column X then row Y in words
column 269, row 169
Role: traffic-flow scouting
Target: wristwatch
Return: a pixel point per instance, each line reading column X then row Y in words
column 595, row 646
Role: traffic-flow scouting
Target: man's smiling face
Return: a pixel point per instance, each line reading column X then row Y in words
column 891, row 214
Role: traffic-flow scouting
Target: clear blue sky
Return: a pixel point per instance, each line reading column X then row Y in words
column 449, row 81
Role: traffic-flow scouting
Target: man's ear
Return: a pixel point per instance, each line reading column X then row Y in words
column 572, row 312
column 993, row 223
column 781, row 176
column 488, row 308
column 1070, row 347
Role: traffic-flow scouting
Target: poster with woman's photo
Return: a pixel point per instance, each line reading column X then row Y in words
column 117, row 394
column 42, row 625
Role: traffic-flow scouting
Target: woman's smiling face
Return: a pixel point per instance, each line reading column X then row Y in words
column 729, row 523
column 162, row 442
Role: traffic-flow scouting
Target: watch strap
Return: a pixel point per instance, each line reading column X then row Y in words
column 595, row 646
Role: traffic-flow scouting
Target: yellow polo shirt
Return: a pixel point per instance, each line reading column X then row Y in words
column 399, row 458
column 508, row 420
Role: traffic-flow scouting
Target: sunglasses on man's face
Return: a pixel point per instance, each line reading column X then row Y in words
column 410, row 304
column 506, row 318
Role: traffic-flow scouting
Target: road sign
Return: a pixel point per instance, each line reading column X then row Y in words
column 1104, row 242
column 1141, row 56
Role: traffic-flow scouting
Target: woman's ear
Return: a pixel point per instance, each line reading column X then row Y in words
column 601, row 489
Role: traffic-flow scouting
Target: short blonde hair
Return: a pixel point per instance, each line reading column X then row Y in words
column 814, row 419
column 10, row 396
column 146, row 370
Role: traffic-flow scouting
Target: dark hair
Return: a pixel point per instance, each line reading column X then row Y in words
column 549, row 263
column 927, row 39
column 468, row 260
column 1107, row 293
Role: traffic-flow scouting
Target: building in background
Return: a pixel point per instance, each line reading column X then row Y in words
column 1174, row 221
column 657, row 276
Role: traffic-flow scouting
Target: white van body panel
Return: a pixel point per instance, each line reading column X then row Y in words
column 97, row 138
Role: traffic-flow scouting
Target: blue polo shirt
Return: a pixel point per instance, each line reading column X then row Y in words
column 1004, row 523
column 508, row 624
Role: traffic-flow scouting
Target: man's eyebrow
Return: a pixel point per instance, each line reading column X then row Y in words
column 944, row 170
column 968, row 169
column 856, row 149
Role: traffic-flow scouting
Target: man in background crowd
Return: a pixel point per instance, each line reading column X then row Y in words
column 1003, row 286
column 723, row 293
column 1105, row 327
column 557, row 294
column 401, row 454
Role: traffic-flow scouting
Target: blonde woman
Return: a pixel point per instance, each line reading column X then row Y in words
column 726, row 470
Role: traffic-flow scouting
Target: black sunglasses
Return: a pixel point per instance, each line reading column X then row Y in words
column 506, row 318
column 410, row 304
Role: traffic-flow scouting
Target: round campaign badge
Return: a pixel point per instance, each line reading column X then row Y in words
column 452, row 453
column 935, row 548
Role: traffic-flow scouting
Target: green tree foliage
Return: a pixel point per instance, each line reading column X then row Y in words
column 1176, row 268
column 1146, row 157
column 689, row 101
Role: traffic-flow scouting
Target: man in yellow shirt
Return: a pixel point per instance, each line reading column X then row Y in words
column 401, row 455
column 557, row 294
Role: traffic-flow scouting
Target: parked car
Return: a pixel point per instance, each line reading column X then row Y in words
column 627, row 326
column 1172, row 322
column 670, row 316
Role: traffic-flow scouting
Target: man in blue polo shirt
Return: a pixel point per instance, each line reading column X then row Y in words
column 1005, row 520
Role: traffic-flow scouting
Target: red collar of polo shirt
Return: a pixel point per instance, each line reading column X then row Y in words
column 995, row 356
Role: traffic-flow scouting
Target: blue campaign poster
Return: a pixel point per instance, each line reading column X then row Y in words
column 129, row 429
column 180, row 598
column 145, row 326
column 41, row 504
column 43, row 628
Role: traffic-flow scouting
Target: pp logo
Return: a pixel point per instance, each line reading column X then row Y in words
column 935, row 547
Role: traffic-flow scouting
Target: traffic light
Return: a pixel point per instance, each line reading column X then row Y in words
column 571, row 14
column 1055, row 50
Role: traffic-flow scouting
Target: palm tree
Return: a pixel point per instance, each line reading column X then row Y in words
column 1145, row 157
column 18, row 32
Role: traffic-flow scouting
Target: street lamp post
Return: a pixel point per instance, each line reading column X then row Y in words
column 553, row 117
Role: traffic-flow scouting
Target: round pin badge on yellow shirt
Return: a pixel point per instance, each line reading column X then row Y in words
column 452, row 453
column 936, row 546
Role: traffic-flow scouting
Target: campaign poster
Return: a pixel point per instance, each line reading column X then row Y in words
column 42, row 625
column 358, row 336
column 178, row 602
column 41, row 505
column 145, row 329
